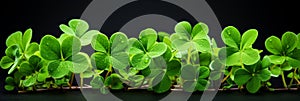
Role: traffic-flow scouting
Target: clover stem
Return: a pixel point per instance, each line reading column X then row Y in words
column 34, row 87
column 142, row 83
column 273, row 66
column 297, row 80
column 227, row 76
column 294, row 73
column 72, row 79
column 81, row 80
column 108, row 72
column 283, row 80
column 241, row 61
column 240, row 87
column 243, row 66
column 291, row 82
column 189, row 56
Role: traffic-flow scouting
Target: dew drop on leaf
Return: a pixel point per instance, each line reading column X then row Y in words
column 228, row 32
column 146, row 60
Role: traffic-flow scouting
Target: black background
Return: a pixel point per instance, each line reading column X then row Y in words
column 44, row 17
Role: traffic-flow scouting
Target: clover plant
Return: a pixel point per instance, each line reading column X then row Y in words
column 34, row 70
column 156, row 60
column 189, row 42
column 186, row 37
column 98, row 83
column 161, row 72
column 194, row 77
column 239, row 51
column 111, row 53
column 64, row 55
column 18, row 49
column 286, row 54
column 144, row 49
column 79, row 28
column 252, row 76
column 130, row 77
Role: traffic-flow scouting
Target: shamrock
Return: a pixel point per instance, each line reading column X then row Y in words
column 146, row 48
column 239, row 50
column 18, row 49
column 64, row 55
column 252, row 76
column 79, row 28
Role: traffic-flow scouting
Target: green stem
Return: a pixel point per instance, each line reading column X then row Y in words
column 292, row 80
column 241, row 87
column 72, row 79
column 241, row 62
column 142, row 83
column 108, row 72
column 189, row 56
column 273, row 66
column 227, row 76
column 243, row 66
column 283, row 79
column 81, row 80
column 34, row 87
column 297, row 81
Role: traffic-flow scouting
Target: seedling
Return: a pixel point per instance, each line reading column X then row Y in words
column 18, row 49
column 157, row 60
column 285, row 54
column 64, row 55
column 145, row 49
column 252, row 76
column 79, row 28
column 239, row 51
column 111, row 53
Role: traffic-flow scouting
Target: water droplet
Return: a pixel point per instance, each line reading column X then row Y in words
column 270, row 40
column 146, row 60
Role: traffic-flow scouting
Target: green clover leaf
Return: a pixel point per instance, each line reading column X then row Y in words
column 113, row 82
column 111, row 52
column 252, row 76
column 239, row 50
column 64, row 56
column 18, row 48
column 145, row 49
column 194, row 77
column 186, row 37
column 79, row 28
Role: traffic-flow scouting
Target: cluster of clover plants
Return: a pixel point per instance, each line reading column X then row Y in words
column 155, row 60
